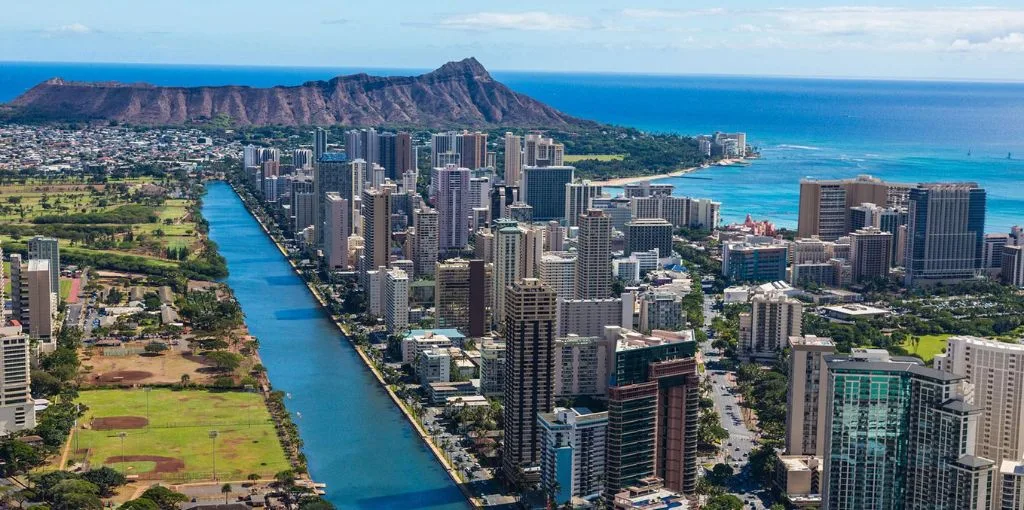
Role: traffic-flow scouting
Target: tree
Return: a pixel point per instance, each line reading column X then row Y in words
column 185, row 380
column 139, row 504
column 77, row 501
column 227, row 361
column 724, row 502
column 285, row 478
column 314, row 503
column 17, row 457
column 165, row 498
column 45, row 385
column 106, row 479
column 226, row 491
column 156, row 347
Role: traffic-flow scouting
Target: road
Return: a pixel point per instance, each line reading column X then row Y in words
column 737, row 448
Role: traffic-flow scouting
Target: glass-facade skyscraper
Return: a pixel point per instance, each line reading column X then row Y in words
column 899, row 435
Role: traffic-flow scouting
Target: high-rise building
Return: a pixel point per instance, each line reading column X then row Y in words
column 443, row 149
column 573, row 442
column 593, row 260
column 33, row 301
column 661, row 310
column 492, row 369
column 363, row 144
column 472, row 149
column 336, row 231
column 332, row 173
column 755, row 260
column 645, row 234
column 805, row 401
column 396, row 154
column 825, row 206
column 541, row 151
column 508, row 247
column 588, row 317
column 480, row 192
column 900, row 435
column 652, row 410
column 647, row 189
column 581, row 366
column 304, row 205
column 554, row 237
column 1013, row 266
column 773, row 319
column 463, row 295
column 577, row 199
column 453, row 206
column 529, row 332
column 994, row 369
column 396, row 300
column 17, row 408
column 946, row 229
column 558, row 272
column 513, row 159
column 544, row 189
column 319, row 145
column 870, row 254
column 376, row 228
column 425, row 243
column 47, row 248
column 618, row 209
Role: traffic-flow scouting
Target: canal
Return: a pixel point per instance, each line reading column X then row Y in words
column 356, row 440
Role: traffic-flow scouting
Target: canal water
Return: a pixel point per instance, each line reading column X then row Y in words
column 356, row 441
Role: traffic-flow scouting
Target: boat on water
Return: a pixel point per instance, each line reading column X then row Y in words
column 734, row 163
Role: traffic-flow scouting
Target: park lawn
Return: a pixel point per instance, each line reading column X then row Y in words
column 927, row 347
column 65, row 289
column 179, row 427
column 572, row 158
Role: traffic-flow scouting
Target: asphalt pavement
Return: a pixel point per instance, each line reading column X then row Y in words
column 736, row 449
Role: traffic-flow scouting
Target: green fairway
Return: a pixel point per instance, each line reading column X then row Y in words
column 927, row 346
column 176, row 444
column 572, row 158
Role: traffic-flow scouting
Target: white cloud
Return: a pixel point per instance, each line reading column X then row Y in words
column 1010, row 43
column 533, row 20
column 74, row 28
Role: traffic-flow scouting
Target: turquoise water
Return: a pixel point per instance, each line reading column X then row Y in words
column 901, row 130
column 356, row 440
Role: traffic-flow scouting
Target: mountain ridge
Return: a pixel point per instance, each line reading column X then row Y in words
column 457, row 94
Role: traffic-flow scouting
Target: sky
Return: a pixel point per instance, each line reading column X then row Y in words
column 883, row 39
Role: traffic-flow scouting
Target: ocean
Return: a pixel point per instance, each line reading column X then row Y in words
column 903, row 131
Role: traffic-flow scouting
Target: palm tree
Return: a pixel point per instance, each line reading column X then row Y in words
column 226, row 490
column 185, row 379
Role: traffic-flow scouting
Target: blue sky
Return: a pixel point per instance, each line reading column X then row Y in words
column 899, row 39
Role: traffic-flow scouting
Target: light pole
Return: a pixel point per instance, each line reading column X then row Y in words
column 213, row 441
column 122, row 436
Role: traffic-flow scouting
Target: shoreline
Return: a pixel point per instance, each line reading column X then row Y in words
column 343, row 327
column 622, row 181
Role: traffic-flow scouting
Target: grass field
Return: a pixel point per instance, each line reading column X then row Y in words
column 21, row 203
column 65, row 288
column 572, row 158
column 176, row 443
column 927, row 346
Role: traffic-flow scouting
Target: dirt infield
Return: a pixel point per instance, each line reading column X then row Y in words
column 119, row 423
column 163, row 464
column 125, row 376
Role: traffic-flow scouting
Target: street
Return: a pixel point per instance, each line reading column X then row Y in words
column 736, row 449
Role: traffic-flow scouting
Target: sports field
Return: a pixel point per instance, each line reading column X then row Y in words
column 171, row 440
column 927, row 346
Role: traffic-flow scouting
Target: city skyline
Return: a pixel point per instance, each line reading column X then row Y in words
column 908, row 39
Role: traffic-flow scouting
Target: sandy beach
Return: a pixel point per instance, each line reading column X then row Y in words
column 622, row 181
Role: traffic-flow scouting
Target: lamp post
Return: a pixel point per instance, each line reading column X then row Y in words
column 213, row 441
column 122, row 436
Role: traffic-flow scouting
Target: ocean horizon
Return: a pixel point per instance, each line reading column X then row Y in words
column 900, row 130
